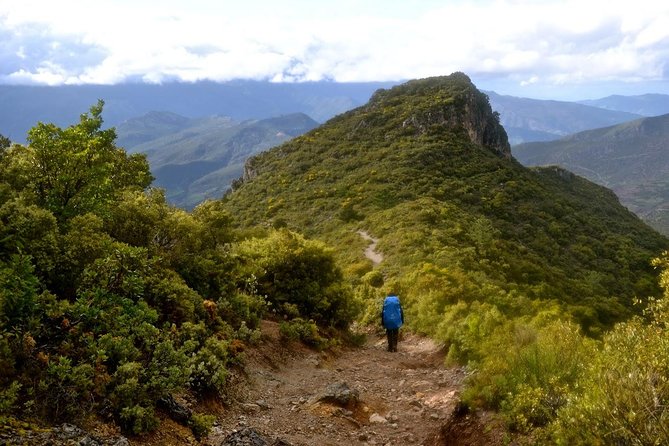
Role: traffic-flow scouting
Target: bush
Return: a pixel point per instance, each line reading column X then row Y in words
column 138, row 419
column 305, row 331
column 531, row 372
column 8, row 397
column 208, row 366
column 18, row 294
column 624, row 395
column 201, row 424
column 299, row 277
column 65, row 392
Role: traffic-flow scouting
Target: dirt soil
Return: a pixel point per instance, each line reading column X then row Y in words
column 402, row 398
column 405, row 398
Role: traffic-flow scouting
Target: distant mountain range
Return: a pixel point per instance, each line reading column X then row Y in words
column 524, row 119
column 23, row 106
column 645, row 105
column 541, row 120
column 194, row 145
column 195, row 159
column 631, row 158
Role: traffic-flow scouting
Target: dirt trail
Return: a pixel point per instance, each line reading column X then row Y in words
column 370, row 251
column 411, row 393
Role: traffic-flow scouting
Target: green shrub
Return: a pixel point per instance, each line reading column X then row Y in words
column 374, row 278
column 201, row 424
column 530, row 372
column 9, row 397
column 624, row 395
column 209, row 366
column 18, row 294
column 299, row 278
column 65, row 391
column 138, row 419
column 305, row 331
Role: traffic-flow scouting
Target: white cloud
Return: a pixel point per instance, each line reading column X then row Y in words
column 527, row 42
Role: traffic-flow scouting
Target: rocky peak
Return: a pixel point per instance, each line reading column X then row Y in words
column 447, row 101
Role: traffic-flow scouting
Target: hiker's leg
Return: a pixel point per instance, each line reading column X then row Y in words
column 393, row 340
column 389, row 333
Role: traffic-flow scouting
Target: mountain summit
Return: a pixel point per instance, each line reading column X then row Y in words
column 428, row 104
column 425, row 168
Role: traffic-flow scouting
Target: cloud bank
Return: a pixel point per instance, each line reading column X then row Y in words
column 527, row 43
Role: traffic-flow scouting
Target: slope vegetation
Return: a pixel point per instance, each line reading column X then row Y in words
column 508, row 267
column 629, row 158
column 426, row 168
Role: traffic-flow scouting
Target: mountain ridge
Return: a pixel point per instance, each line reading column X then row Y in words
column 242, row 99
column 542, row 120
column 406, row 172
column 598, row 154
column 649, row 104
column 198, row 158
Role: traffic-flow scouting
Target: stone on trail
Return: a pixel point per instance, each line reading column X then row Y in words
column 375, row 418
column 250, row 437
column 339, row 394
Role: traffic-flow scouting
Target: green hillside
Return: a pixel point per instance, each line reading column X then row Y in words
column 507, row 266
column 196, row 159
column 629, row 158
column 426, row 167
column 116, row 306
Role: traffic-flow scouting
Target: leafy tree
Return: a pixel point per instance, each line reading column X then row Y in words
column 78, row 169
column 4, row 142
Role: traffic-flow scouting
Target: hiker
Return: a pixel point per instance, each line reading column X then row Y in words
column 392, row 318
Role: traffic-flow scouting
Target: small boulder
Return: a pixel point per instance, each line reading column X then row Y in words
column 340, row 394
column 250, row 437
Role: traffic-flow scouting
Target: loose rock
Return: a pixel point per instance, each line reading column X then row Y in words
column 375, row 418
column 340, row 394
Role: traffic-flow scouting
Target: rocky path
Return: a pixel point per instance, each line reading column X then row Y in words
column 398, row 398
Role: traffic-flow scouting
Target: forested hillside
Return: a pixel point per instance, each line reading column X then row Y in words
column 427, row 168
column 629, row 158
column 496, row 260
column 113, row 301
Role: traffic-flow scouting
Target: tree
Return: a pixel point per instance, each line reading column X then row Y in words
column 4, row 142
column 78, row 169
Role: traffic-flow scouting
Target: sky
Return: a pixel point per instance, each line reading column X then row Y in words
column 549, row 49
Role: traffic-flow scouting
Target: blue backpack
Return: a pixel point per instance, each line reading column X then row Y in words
column 392, row 313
